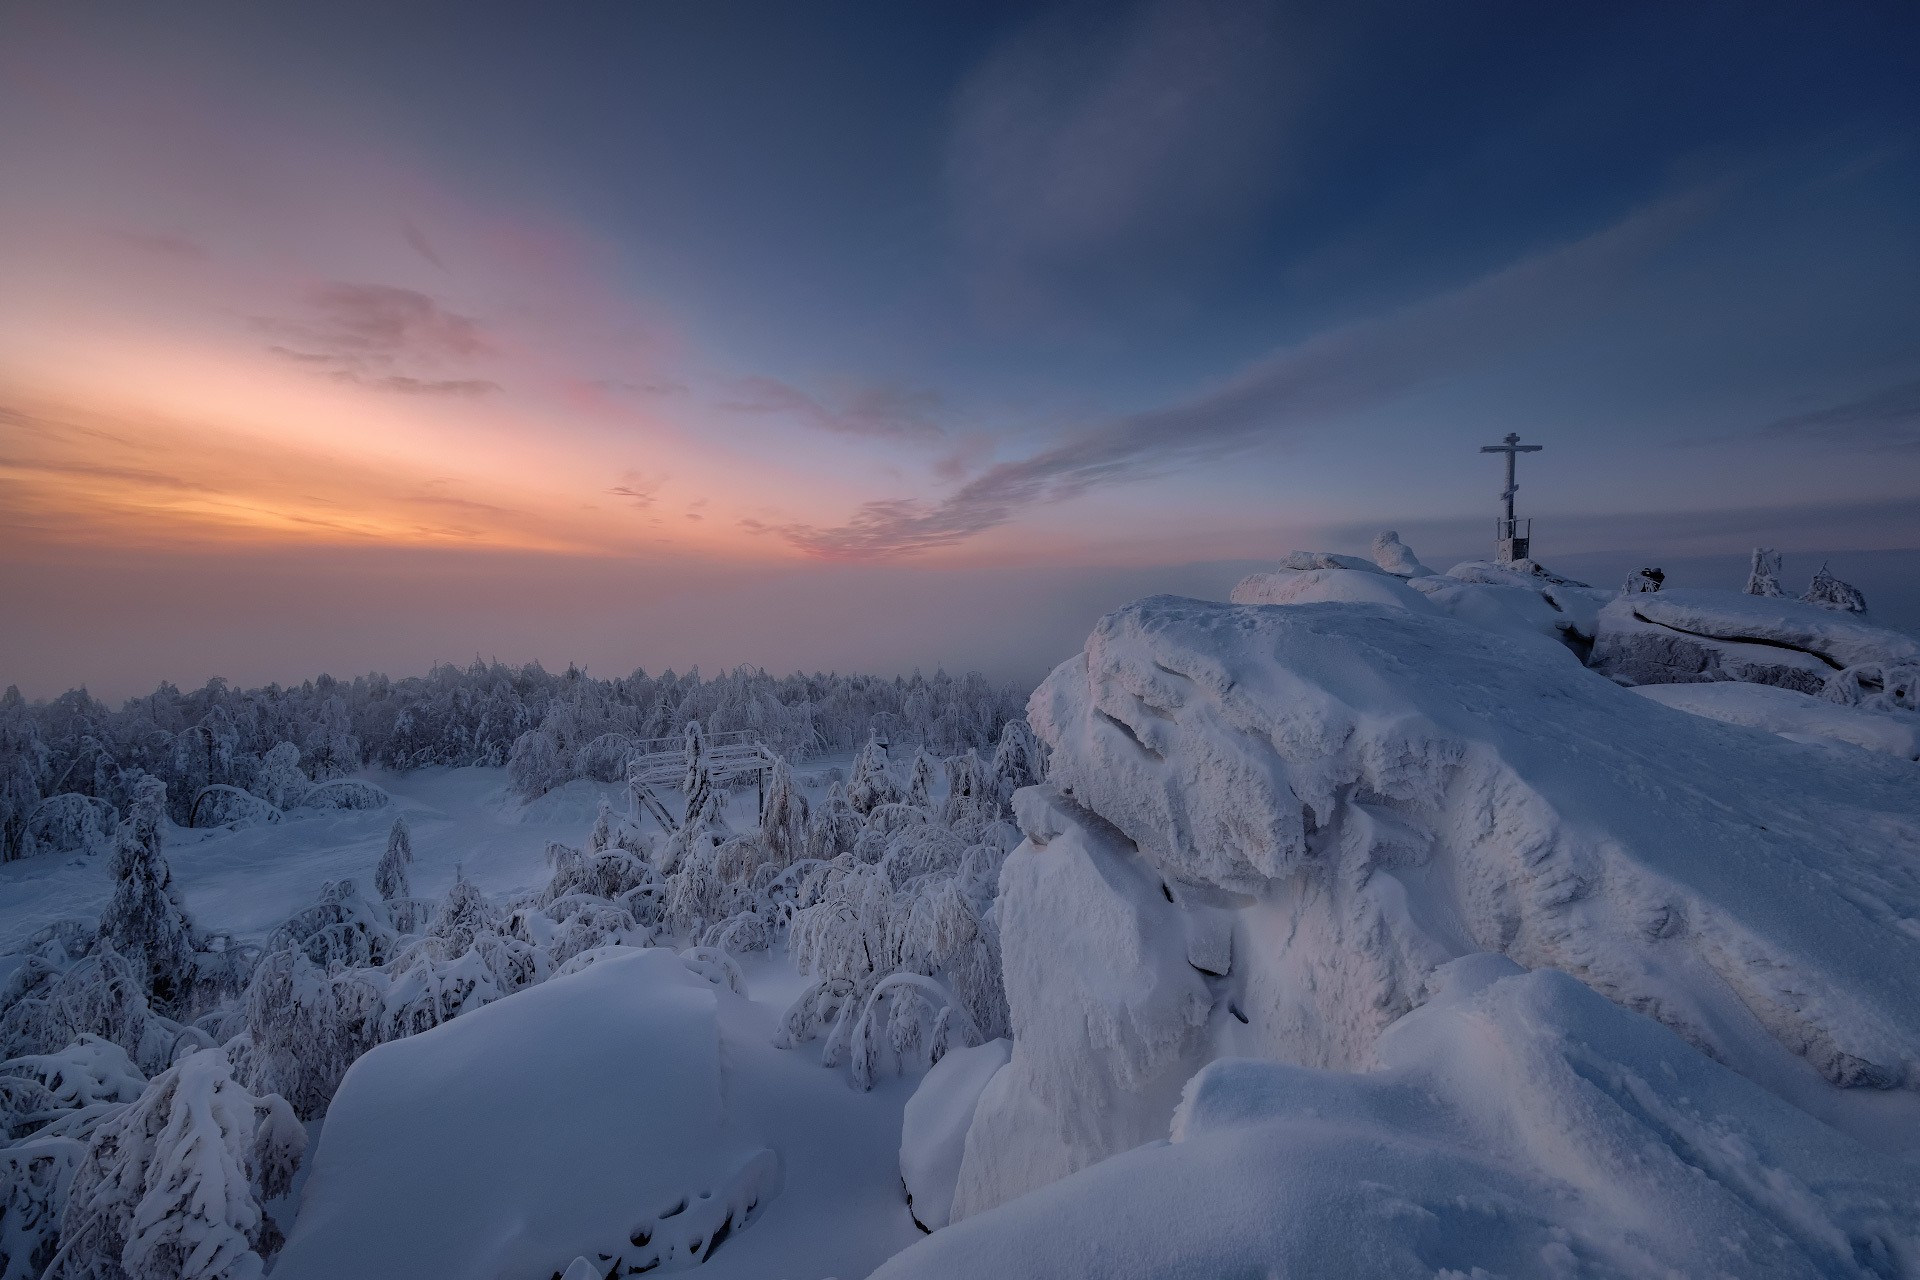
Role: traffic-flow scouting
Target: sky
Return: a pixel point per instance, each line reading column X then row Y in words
column 355, row 337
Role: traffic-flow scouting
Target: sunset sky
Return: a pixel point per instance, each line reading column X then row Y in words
column 355, row 336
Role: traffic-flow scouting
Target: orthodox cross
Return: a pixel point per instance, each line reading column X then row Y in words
column 1511, row 543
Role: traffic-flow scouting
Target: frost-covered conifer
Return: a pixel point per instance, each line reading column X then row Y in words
column 535, row 767
column 702, row 800
column 920, row 784
column 1764, row 577
column 145, row 921
column 970, row 795
column 1829, row 592
column 390, row 877
column 835, row 826
column 783, row 817
column 871, row 784
column 170, row 1188
column 306, row 1027
column 1018, row 761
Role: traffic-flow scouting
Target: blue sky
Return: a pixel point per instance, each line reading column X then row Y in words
column 777, row 290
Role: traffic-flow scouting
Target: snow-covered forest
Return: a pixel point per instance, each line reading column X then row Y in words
column 274, row 742
column 1379, row 921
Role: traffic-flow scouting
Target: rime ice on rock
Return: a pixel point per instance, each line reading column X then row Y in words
column 1643, row 581
column 1358, row 794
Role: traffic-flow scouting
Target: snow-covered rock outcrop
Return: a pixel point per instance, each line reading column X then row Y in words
column 1266, row 828
column 1516, row 1124
column 1694, row 635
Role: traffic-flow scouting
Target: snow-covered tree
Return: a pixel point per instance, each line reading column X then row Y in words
column 170, row 1188
column 279, row 780
column 703, row 801
column 871, row 784
column 1763, row 579
column 1018, row 761
column 970, row 792
column 390, row 877
column 834, row 827
column 1643, row 580
column 1830, row 592
column 536, row 765
column 920, row 782
column 784, row 815
column 145, row 920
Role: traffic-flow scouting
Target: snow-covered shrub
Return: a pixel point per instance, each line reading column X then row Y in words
column 219, row 804
column 145, row 921
column 919, row 782
column 345, row 793
column 341, row 931
column 170, row 1188
column 305, row 1027
column 1763, row 579
column 100, row 995
column 1829, row 592
column 86, row 1072
column 34, row 1177
column 68, row 823
column 390, row 877
column 1876, row 687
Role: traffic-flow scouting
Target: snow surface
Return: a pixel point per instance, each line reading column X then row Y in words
column 1359, row 794
column 1792, row 714
column 1516, row 1124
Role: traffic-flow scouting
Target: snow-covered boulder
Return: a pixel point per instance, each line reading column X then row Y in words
column 586, row 1116
column 1793, row 715
column 1690, row 635
column 1328, row 585
column 1354, row 795
column 1396, row 557
column 1517, row 1124
column 933, row 1133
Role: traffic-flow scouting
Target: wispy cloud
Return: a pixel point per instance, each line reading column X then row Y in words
column 1884, row 419
column 1343, row 370
column 873, row 411
column 368, row 333
column 1097, row 144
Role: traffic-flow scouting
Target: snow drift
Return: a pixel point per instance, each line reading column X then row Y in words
column 1515, row 1124
column 1267, row 827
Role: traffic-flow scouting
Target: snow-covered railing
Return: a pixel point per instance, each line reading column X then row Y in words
column 663, row 761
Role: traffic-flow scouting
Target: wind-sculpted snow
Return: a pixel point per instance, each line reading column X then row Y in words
column 1517, row 1124
column 1266, row 826
column 1793, row 714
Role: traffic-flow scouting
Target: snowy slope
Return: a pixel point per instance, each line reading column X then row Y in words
column 1326, row 801
column 1516, row 1124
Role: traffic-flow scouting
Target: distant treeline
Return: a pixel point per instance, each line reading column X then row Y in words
column 75, row 745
